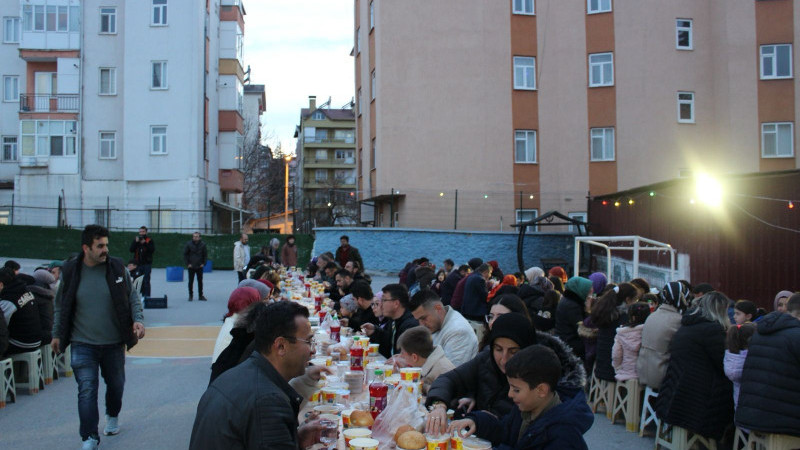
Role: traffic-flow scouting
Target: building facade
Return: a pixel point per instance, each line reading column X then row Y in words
column 122, row 113
column 327, row 165
column 477, row 115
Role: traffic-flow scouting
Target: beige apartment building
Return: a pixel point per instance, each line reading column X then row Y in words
column 518, row 107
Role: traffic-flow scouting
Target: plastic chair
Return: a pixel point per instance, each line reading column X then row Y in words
column 648, row 412
column 603, row 394
column 627, row 401
column 677, row 438
column 49, row 363
column 740, row 438
column 7, row 385
column 63, row 362
column 35, row 378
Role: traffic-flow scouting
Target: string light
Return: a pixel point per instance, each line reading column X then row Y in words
column 652, row 193
column 616, row 203
column 630, row 201
column 531, row 197
column 485, row 196
column 791, row 205
column 605, row 203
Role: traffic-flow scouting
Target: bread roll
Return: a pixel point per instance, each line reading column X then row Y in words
column 361, row 419
column 401, row 430
column 412, row 440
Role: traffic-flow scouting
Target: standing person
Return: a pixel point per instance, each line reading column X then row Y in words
column 195, row 257
column 98, row 314
column 241, row 256
column 143, row 248
column 289, row 252
column 274, row 251
column 252, row 405
column 347, row 252
column 394, row 302
column 474, row 307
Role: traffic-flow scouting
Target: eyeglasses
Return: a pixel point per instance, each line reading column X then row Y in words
column 309, row 342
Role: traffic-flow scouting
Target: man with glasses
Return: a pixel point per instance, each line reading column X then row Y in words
column 395, row 307
column 252, row 405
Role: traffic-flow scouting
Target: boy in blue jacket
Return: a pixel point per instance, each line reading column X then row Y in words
column 543, row 417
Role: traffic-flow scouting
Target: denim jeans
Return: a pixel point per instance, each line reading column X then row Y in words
column 86, row 359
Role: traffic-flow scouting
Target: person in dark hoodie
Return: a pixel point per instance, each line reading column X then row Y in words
column 450, row 282
column 571, row 311
column 3, row 334
column 458, row 294
column 21, row 313
column 45, row 294
column 545, row 415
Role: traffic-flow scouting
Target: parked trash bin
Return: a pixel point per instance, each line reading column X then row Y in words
column 208, row 267
column 174, row 273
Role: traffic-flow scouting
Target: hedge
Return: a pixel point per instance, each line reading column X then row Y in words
column 20, row 241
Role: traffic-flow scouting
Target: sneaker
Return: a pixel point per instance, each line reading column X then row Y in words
column 203, row 298
column 90, row 444
column 112, row 426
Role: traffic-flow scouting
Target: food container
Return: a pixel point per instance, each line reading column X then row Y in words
column 411, row 374
column 393, row 380
column 473, row 443
column 329, row 395
column 355, row 382
column 328, row 409
column 456, row 441
column 437, row 442
column 373, row 349
column 364, row 444
column 342, row 396
column 332, row 417
column 356, row 433
column 346, row 418
column 388, row 370
column 315, row 397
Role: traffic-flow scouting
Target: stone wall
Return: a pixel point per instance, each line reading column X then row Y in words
column 389, row 249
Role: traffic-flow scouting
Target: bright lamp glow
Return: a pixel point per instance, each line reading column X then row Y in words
column 708, row 189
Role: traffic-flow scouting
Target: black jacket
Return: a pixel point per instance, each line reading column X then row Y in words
column 383, row 337
column 45, row 298
column 474, row 306
column 569, row 313
column 533, row 297
column 449, row 286
column 143, row 250
column 361, row 317
column 3, row 334
column 195, row 254
column 25, row 326
column 769, row 397
column 233, row 354
column 248, row 407
column 119, row 284
column 605, row 342
column 695, row 393
column 481, row 379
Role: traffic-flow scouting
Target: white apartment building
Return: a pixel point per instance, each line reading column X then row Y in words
column 124, row 113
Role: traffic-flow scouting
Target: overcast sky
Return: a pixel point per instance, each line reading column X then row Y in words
column 298, row 48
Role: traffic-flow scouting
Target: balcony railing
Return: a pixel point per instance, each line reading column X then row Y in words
column 338, row 161
column 31, row 103
column 329, row 140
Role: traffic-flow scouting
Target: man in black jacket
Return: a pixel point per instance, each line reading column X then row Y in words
column 195, row 257
column 362, row 293
column 21, row 313
column 395, row 307
column 252, row 405
column 143, row 248
column 450, row 283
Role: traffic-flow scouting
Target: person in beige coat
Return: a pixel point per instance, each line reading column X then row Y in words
column 417, row 350
column 657, row 333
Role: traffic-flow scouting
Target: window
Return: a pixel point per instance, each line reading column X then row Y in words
column 345, row 155
column 63, row 18
column 108, row 20
column 50, row 18
column 159, row 12
column 686, row 107
column 776, row 61
column 321, row 135
column 523, row 7
column 101, row 217
column 33, row 17
column 602, row 144
column 10, row 88
column 371, row 15
column 11, row 30
column 49, row 137
column 525, row 146
column 577, row 216
column 318, row 115
column 158, row 140
column 346, row 135
column 777, row 140
column 108, row 81
column 74, row 18
column 372, row 85
column 358, row 102
column 159, row 80
column 524, row 72
column 358, row 40
column 598, row 6
column 683, row 34
column 321, row 154
column 108, row 145
column 240, row 47
column 321, row 175
column 9, row 148
column 372, row 153
column 526, row 215
column 601, row 69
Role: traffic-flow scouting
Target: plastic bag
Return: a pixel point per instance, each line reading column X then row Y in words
column 402, row 409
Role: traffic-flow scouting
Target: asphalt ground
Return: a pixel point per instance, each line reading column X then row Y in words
column 166, row 374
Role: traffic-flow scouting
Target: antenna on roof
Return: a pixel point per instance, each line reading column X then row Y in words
column 325, row 105
column 349, row 105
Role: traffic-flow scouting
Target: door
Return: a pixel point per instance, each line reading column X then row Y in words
column 44, row 89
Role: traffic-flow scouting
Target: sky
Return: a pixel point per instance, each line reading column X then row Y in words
column 298, row 48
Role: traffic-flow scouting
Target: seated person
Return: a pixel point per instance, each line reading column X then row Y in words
column 417, row 350
column 362, row 295
column 544, row 416
column 133, row 269
column 21, row 313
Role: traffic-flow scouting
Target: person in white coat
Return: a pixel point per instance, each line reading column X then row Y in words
column 241, row 256
column 449, row 328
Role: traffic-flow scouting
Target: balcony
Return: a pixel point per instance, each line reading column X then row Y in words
column 231, row 181
column 49, row 103
column 330, row 142
column 328, row 183
column 311, row 162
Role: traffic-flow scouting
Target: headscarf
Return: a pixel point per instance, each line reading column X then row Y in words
column 508, row 280
column 559, row 272
column 543, row 283
column 674, row 294
column 580, row 286
column 262, row 288
column 780, row 295
column 241, row 298
column 532, row 273
column 599, row 282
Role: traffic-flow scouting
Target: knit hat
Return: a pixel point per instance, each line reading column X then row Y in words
column 474, row 263
column 241, row 298
column 580, row 286
column 599, row 282
column 55, row 264
column 780, row 295
column 262, row 288
column 559, row 272
column 513, row 326
column 674, row 294
column 532, row 273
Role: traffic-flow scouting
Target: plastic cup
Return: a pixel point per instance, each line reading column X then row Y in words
column 355, row 433
column 437, row 442
column 410, row 374
column 346, row 418
column 365, row 444
column 473, row 443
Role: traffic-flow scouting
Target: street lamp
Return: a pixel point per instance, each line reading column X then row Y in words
column 286, row 159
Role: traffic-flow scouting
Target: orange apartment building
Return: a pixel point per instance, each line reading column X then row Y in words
column 526, row 106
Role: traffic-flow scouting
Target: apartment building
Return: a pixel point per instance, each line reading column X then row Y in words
column 122, row 113
column 475, row 114
column 327, row 165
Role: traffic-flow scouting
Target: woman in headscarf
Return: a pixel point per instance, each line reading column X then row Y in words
column 659, row 328
column 240, row 299
column 508, row 280
column 781, row 299
column 571, row 311
column 559, row 272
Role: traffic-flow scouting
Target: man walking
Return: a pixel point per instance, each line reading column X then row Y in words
column 99, row 314
column 241, row 256
column 195, row 257
column 346, row 252
column 143, row 248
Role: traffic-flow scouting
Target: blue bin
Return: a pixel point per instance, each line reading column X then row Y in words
column 208, row 267
column 174, row 273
